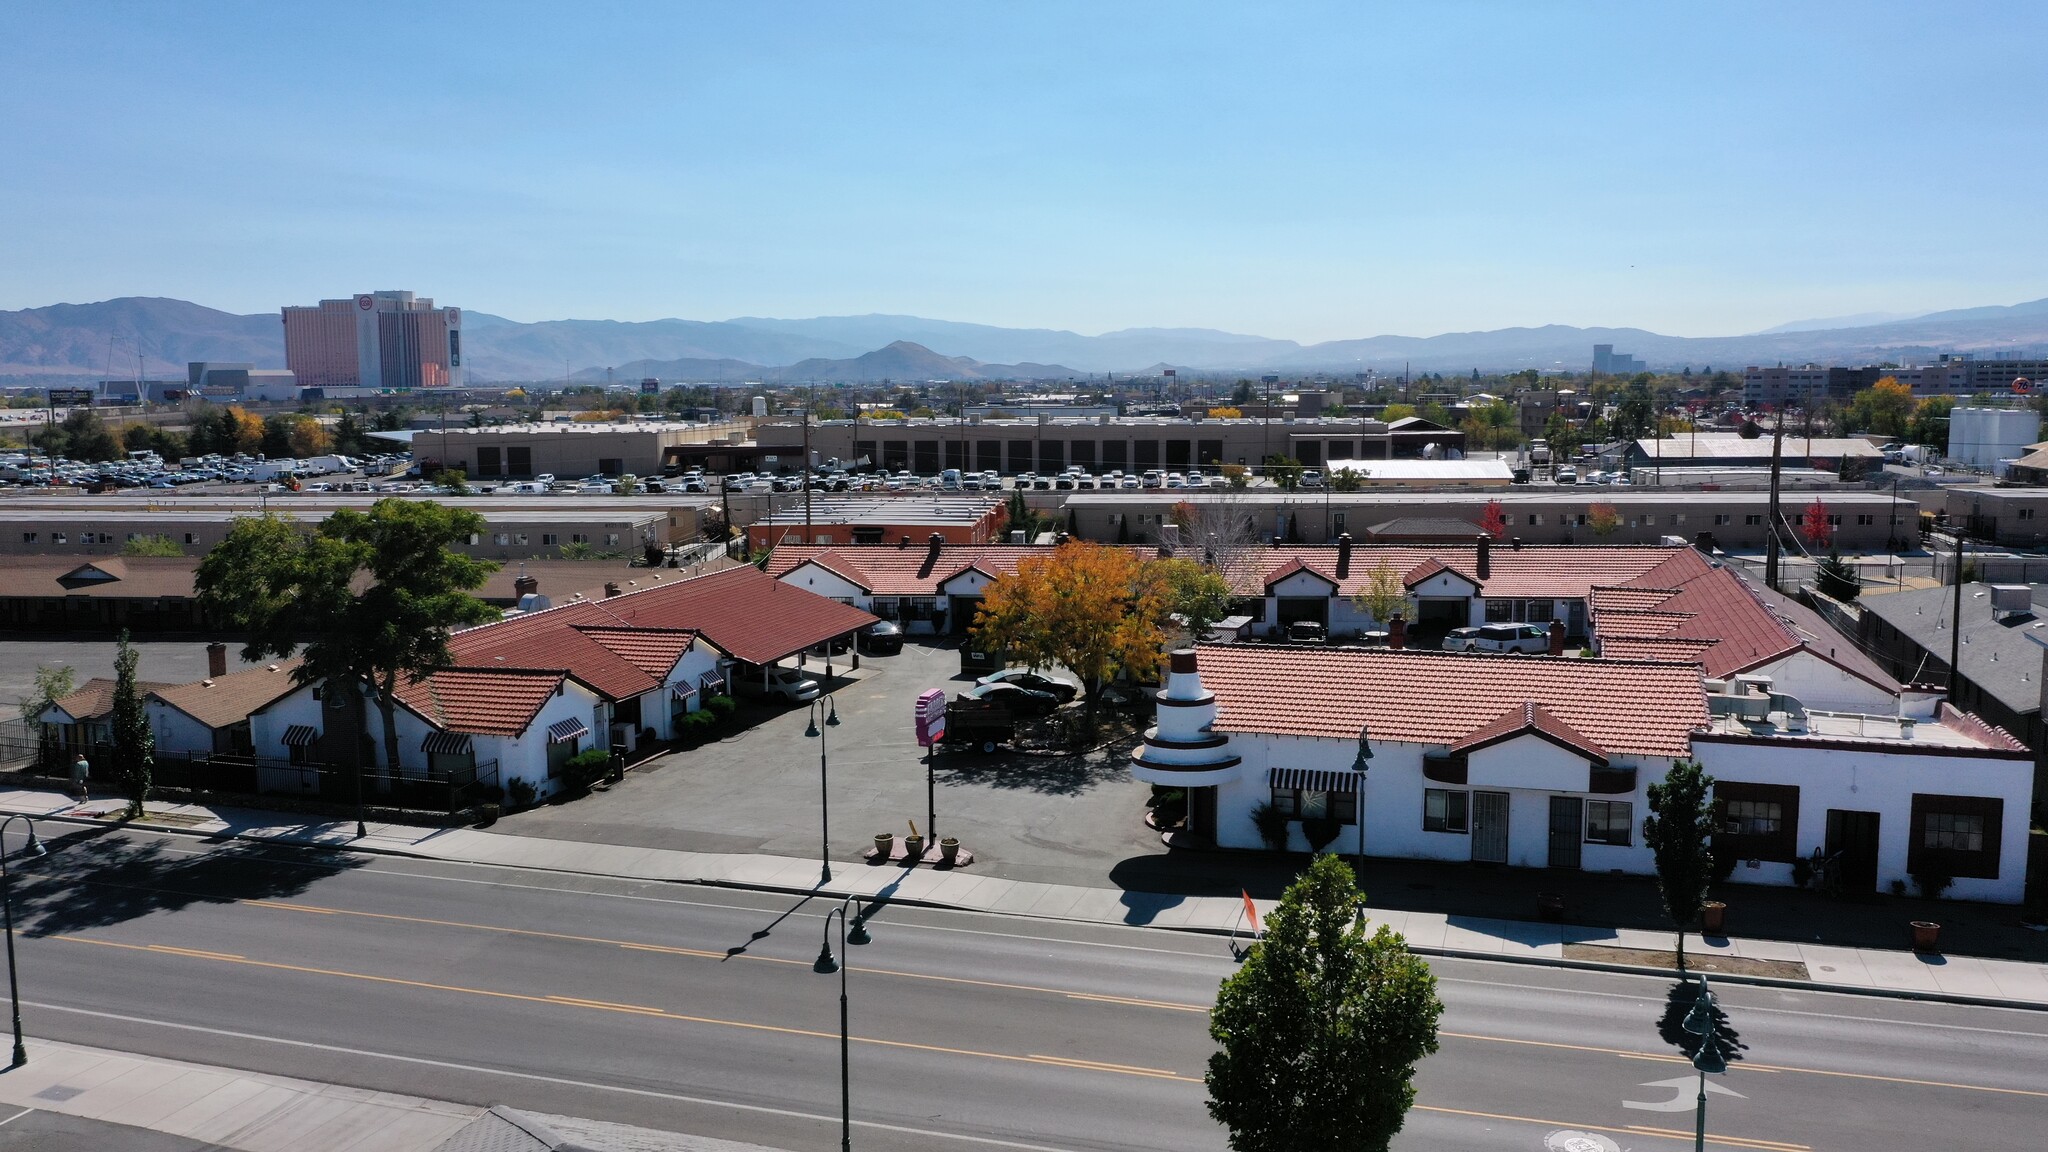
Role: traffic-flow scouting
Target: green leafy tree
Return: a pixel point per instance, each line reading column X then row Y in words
column 1634, row 416
column 1679, row 832
column 1886, row 408
column 1383, row 595
column 1285, row 471
column 371, row 596
column 1320, row 1029
column 1929, row 424
column 1347, row 480
column 1197, row 593
column 134, row 742
column 52, row 683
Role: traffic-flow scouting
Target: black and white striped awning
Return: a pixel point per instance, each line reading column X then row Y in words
column 300, row 736
column 445, row 744
column 683, row 691
column 563, row 731
column 1313, row 779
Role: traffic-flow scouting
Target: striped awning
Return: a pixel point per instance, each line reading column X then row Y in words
column 1313, row 779
column 683, row 691
column 300, row 735
column 563, row 731
column 445, row 744
column 712, row 685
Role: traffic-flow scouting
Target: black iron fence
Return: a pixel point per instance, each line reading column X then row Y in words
column 220, row 777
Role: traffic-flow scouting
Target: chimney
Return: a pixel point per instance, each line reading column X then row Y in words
column 1485, row 558
column 611, row 589
column 525, row 585
column 1518, row 544
column 1343, row 555
column 1397, row 632
column 216, row 659
column 905, row 543
column 1556, row 637
column 938, row 543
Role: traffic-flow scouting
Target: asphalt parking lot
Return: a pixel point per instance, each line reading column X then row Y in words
column 1067, row 819
column 178, row 661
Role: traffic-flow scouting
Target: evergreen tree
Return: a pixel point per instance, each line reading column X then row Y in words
column 134, row 742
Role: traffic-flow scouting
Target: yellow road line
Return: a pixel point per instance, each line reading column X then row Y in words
column 600, row 1005
column 1134, row 1002
column 1736, row 1141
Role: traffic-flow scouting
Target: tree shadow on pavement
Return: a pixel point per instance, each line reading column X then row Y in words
column 1677, row 1005
column 1061, row 775
column 95, row 878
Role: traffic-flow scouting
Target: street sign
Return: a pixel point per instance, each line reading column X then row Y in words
column 931, row 717
column 71, row 397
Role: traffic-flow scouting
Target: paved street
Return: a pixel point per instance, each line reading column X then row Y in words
column 696, row 1010
column 1064, row 820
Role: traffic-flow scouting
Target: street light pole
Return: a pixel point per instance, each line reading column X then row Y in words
column 823, row 704
column 30, row 851
column 1707, row 1058
column 825, row 964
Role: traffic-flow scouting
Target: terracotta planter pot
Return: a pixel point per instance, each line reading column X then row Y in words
column 913, row 848
column 949, row 848
column 885, row 844
column 1713, row 917
column 1926, row 936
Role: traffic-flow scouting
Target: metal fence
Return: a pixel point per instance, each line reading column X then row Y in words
column 264, row 779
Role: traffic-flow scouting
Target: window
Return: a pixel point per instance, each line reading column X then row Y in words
column 1535, row 519
column 1649, row 521
column 1678, row 519
column 611, row 539
column 1309, row 804
column 578, row 538
column 1866, row 519
column 1500, row 611
column 1610, row 822
column 1954, row 831
column 549, row 539
column 1721, row 518
column 1753, row 817
column 28, row 537
column 58, row 538
column 504, row 538
column 519, row 537
column 191, row 537
column 1443, row 810
column 1754, row 519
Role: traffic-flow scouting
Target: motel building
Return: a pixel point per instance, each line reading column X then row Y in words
column 1545, row 762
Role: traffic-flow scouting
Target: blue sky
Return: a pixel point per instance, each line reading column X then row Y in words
column 1308, row 171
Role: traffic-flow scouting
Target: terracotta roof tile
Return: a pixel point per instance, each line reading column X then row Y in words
column 1662, row 650
column 481, row 701
column 1536, row 571
column 1624, row 707
column 1637, row 623
column 1530, row 716
column 887, row 570
column 1622, row 599
column 651, row 650
column 220, row 701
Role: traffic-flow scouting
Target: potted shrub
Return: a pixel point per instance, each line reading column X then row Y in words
column 1926, row 936
column 913, row 844
column 487, row 814
column 885, row 845
column 949, row 849
column 1802, row 871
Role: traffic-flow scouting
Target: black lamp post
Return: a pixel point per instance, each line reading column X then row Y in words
column 826, row 705
column 1700, row 1022
column 30, row 851
column 826, row 964
column 1358, row 765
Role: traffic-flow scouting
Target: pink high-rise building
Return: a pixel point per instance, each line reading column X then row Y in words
column 375, row 340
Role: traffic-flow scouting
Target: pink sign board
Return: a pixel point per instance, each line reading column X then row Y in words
column 931, row 717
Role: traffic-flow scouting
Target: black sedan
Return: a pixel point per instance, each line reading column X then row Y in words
column 1020, row 701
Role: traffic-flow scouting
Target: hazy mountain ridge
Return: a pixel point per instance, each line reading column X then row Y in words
column 73, row 340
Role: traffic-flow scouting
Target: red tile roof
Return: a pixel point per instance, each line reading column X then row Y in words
column 1636, row 623
column 1531, row 717
column 1624, row 707
column 742, row 611
column 481, row 701
column 1297, row 564
column 1662, row 650
column 651, row 650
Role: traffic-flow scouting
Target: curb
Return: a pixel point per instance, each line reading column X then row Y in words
column 917, row 902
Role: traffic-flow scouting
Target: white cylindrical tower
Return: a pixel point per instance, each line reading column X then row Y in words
column 1180, row 750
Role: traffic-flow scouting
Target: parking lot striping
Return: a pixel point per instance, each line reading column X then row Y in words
column 1731, row 1141
column 1667, row 1134
column 923, row 1132
column 16, row 1116
column 605, row 1006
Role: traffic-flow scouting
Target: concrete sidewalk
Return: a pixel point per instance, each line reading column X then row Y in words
column 1965, row 979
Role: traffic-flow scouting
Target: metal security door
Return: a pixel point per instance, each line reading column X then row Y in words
column 1490, row 827
column 1567, row 831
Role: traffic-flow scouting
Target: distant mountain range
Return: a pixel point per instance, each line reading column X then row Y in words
column 72, row 340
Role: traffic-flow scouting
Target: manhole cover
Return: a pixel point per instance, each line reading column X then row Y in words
column 1571, row 1141
column 58, row 1092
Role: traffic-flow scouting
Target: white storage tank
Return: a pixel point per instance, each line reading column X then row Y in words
column 1980, row 437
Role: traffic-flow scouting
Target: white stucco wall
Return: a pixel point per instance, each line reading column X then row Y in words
column 266, row 737
column 176, row 733
column 1527, row 762
column 1878, row 780
column 824, row 582
column 1818, row 684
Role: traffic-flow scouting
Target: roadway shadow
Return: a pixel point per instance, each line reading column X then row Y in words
column 93, row 878
column 1068, row 774
column 1677, row 1005
column 763, row 933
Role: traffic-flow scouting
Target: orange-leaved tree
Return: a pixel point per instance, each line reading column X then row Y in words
column 1603, row 518
column 1093, row 609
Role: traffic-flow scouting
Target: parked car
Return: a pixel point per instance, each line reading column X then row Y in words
column 1529, row 638
column 1461, row 639
column 1059, row 686
column 1306, row 632
column 1022, row 701
column 786, row 683
column 882, row 638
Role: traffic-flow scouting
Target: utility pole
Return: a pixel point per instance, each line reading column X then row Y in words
column 1771, row 520
column 810, row 401
column 1955, row 623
